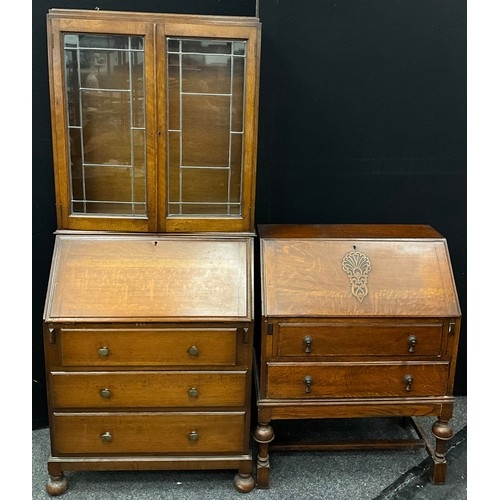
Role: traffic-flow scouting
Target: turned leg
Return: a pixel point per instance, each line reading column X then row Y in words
column 443, row 433
column 263, row 434
column 56, row 485
column 244, row 482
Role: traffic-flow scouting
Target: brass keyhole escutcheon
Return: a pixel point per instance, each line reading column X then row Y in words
column 193, row 436
column 106, row 437
column 408, row 380
column 193, row 351
column 308, row 343
column 193, row 392
column 103, row 352
column 105, row 393
column 412, row 341
column 308, row 380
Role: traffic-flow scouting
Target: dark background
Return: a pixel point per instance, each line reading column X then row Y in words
column 363, row 119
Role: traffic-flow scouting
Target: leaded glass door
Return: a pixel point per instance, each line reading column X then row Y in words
column 105, row 171
column 207, row 157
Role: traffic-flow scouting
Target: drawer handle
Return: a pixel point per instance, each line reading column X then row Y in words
column 193, row 351
column 408, row 380
column 103, row 352
column 105, row 393
column 193, row 436
column 412, row 340
column 308, row 380
column 308, row 343
column 193, row 392
column 106, row 437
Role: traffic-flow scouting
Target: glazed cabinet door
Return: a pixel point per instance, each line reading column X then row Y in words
column 208, row 118
column 103, row 123
column 154, row 120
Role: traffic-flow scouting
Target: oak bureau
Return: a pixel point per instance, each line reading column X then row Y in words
column 356, row 321
column 149, row 316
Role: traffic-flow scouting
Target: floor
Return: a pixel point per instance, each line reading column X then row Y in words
column 338, row 475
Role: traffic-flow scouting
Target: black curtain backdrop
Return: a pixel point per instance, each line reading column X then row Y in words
column 362, row 120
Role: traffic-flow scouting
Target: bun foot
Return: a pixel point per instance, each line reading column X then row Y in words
column 56, row 485
column 244, row 482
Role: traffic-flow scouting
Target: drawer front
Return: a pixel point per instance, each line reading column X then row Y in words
column 160, row 433
column 356, row 380
column 344, row 339
column 184, row 347
column 148, row 389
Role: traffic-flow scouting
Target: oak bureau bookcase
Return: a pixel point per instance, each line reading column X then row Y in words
column 357, row 321
column 148, row 322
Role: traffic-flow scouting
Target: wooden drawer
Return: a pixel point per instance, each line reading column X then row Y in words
column 147, row 433
column 149, row 347
column 350, row 339
column 356, row 380
column 148, row 389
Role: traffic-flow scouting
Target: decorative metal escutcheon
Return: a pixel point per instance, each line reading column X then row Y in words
column 357, row 266
column 193, row 436
column 408, row 380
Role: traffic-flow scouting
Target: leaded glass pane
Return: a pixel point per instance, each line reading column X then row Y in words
column 104, row 77
column 205, row 122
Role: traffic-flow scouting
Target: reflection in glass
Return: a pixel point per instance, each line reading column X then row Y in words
column 106, row 123
column 205, row 126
